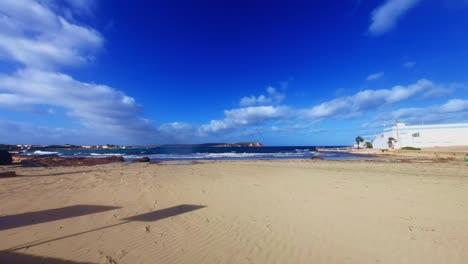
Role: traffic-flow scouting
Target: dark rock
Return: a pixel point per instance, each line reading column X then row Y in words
column 316, row 158
column 67, row 162
column 143, row 159
column 5, row 157
column 7, row 174
column 31, row 164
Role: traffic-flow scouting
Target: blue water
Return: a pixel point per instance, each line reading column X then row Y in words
column 202, row 153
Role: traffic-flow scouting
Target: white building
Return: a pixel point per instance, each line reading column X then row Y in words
column 423, row 136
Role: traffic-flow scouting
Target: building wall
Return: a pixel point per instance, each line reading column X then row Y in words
column 424, row 136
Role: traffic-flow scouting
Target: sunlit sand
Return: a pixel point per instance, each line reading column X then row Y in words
column 237, row 212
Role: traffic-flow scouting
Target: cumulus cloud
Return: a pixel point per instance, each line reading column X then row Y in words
column 438, row 92
column 176, row 132
column 451, row 111
column 386, row 16
column 40, row 38
column 367, row 100
column 242, row 117
column 82, row 6
column 272, row 97
column 43, row 36
column 96, row 106
column 455, row 105
column 375, row 76
column 33, row 35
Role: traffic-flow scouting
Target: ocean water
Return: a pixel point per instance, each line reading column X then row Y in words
column 202, row 153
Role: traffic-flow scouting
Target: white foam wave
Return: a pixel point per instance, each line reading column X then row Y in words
column 105, row 154
column 42, row 153
column 223, row 155
column 302, row 150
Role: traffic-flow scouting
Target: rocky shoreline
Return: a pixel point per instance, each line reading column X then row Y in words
column 56, row 161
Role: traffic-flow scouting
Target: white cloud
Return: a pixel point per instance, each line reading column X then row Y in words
column 375, row 76
column 404, row 112
column 272, row 97
column 409, row 64
column 386, row 16
column 455, row 105
column 96, row 106
column 33, row 35
column 366, row 100
column 330, row 108
column 451, row 111
column 241, row 117
column 41, row 37
column 83, row 6
column 438, row 92
column 342, row 107
column 176, row 132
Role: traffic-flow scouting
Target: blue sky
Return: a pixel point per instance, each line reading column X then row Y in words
column 278, row 72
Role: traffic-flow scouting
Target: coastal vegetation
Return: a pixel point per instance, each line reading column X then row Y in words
column 359, row 140
column 410, row 148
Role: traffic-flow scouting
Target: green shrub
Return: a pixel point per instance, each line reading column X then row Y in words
column 410, row 148
column 368, row 144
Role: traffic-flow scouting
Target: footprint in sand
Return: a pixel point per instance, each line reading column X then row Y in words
column 110, row 260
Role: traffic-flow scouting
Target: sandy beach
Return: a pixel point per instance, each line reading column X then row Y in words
column 449, row 152
column 237, row 212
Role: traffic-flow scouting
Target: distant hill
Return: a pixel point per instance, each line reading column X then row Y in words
column 213, row 145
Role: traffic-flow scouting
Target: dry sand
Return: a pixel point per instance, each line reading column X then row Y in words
column 452, row 152
column 237, row 212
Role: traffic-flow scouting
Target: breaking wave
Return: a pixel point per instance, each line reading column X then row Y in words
column 223, row 156
column 43, row 153
column 210, row 153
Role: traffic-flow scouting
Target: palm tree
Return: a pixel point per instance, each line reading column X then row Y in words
column 358, row 141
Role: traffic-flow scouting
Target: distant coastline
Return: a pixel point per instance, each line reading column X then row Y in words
column 214, row 145
column 23, row 147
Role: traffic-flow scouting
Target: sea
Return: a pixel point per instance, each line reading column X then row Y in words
column 203, row 153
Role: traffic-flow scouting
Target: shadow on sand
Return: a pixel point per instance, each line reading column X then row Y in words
column 32, row 218
column 56, row 174
column 147, row 217
column 16, row 258
column 164, row 213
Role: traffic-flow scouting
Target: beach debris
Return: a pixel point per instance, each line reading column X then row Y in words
column 7, row 174
column 5, row 157
column 316, row 158
column 143, row 159
column 148, row 228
